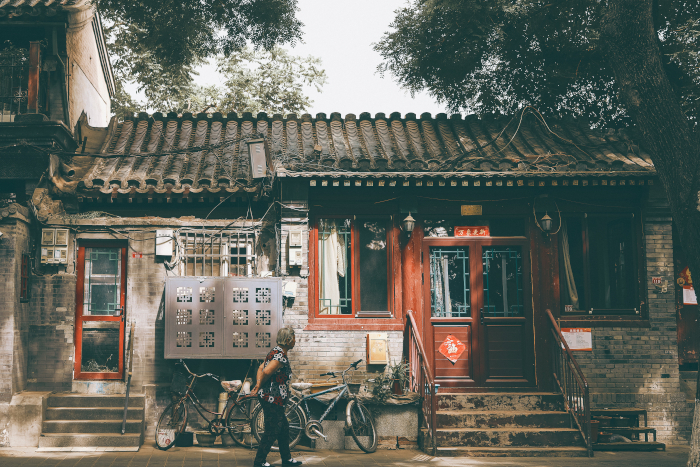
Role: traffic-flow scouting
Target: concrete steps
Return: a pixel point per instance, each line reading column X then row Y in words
column 80, row 420
column 506, row 425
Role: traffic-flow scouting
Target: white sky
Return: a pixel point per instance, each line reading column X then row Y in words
column 341, row 34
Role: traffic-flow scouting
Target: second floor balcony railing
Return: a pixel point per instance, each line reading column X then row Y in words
column 14, row 80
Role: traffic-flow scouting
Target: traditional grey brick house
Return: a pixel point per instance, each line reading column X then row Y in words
column 482, row 264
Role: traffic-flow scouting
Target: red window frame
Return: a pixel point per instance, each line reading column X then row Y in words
column 357, row 320
column 24, row 279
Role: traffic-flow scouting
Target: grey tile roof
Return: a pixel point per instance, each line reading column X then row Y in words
column 14, row 8
column 208, row 152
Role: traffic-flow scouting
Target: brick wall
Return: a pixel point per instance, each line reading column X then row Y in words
column 638, row 367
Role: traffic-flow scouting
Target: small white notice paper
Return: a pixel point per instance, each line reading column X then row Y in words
column 689, row 297
column 578, row 338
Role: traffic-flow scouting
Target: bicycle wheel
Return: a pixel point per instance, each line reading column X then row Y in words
column 238, row 422
column 361, row 426
column 171, row 423
column 297, row 422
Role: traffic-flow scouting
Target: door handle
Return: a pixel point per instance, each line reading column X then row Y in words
column 481, row 315
column 118, row 312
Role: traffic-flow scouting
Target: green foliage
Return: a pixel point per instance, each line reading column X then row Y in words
column 254, row 81
column 158, row 43
column 381, row 390
column 496, row 56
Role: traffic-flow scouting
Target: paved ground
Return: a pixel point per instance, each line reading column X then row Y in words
column 148, row 456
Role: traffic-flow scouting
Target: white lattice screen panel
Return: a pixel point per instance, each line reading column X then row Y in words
column 221, row 317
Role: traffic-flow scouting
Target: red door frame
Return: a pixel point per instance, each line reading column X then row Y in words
column 479, row 360
column 80, row 294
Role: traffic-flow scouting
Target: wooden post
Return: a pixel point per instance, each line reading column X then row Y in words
column 33, row 81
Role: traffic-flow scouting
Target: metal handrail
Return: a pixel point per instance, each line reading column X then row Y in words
column 421, row 377
column 572, row 384
column 130, row 354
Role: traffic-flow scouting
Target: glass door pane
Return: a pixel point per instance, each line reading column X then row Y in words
column 334, row 268
column 100, row 340
column 449, row 282
column 102, row 281
column 503, row 281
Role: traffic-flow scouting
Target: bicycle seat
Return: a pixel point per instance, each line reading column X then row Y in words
column 232, row 386
column 301, row 386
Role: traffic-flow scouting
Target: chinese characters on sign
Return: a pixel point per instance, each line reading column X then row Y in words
column 472, row 231
column 452, row 348
column 578, row 338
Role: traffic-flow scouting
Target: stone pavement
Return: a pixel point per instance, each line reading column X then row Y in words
column 149, row 456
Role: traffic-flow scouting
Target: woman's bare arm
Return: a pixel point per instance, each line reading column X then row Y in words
column 264, row 373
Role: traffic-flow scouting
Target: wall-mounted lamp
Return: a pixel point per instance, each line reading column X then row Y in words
column 546, row 223
column 408, row 224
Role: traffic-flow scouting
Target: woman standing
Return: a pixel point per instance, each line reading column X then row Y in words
column 271, row 387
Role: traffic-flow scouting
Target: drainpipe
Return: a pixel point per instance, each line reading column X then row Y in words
column 33, row 81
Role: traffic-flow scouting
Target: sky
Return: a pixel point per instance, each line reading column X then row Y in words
column 341, row 34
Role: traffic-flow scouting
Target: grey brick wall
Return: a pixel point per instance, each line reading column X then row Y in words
column 638, row 367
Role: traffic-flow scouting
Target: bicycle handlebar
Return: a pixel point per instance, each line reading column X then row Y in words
column 196, row 375
column 352, row 365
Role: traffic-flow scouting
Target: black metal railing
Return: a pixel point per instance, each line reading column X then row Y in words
column 14, row 79
column 572, row 384
column 421, row 378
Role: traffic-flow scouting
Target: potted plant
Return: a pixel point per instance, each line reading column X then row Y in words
column 399, row 376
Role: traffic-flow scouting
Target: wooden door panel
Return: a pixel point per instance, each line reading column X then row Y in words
column 462, row 371
column 505, row 351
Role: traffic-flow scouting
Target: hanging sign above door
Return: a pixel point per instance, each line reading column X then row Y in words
column 472, row 231
column 452, row 348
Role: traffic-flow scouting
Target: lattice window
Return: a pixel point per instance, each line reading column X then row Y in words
column 183, row 339
column 207, row 317
column 240, row 295
column 262, row 339
column 206, row 294
column 184, row 294
column 262, row 295
column 240, row 317
column 240, row 339
column 217, row 253
column 183, row 317
column 262, row 317
column 206, row 339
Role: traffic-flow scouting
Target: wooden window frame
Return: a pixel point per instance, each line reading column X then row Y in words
column 389, row 320
column 613, row 316
column 24, row 279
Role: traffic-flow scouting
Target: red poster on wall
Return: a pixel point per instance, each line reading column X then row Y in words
column 452, row 348
column 472, row 231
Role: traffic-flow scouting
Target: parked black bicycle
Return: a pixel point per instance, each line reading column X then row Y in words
column 234, row 419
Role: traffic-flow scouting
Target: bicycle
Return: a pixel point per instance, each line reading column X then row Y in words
column 357, row 417
column 236, row 413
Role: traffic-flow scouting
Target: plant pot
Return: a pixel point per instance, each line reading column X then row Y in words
column 396, row 388
column 205, row 439
column 227, row 441
column 594, row 431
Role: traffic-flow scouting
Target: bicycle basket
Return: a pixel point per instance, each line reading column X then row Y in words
column 179, row 382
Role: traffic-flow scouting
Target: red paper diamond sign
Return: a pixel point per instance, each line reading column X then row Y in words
column 452, row 348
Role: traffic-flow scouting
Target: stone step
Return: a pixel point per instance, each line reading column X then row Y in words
column 93, row 439
column 502, row 437
column 95, row 400
column 501, row 401
column 90, row 413
column 502, row 419
column 91, row 426
column 566, row 451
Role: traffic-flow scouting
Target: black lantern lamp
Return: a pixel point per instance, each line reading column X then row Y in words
column 546, row 223
column 408, row 224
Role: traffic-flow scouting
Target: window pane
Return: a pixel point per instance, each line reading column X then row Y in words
column 503, row 281
column 102, row 281
column 612, row 269
column 335, row 284
column 374, row 295
column 571, row 261
column 449, row 282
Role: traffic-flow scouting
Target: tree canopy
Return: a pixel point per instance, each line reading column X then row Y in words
column 159, row 43
column 495, row 56
column 253, row 81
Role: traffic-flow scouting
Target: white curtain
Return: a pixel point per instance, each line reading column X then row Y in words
column 568, row 272
column 333, row 265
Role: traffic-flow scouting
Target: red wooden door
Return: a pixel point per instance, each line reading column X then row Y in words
column 100, row 311
column 478, row 292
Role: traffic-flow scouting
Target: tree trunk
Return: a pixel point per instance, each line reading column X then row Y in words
column 632, row 50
